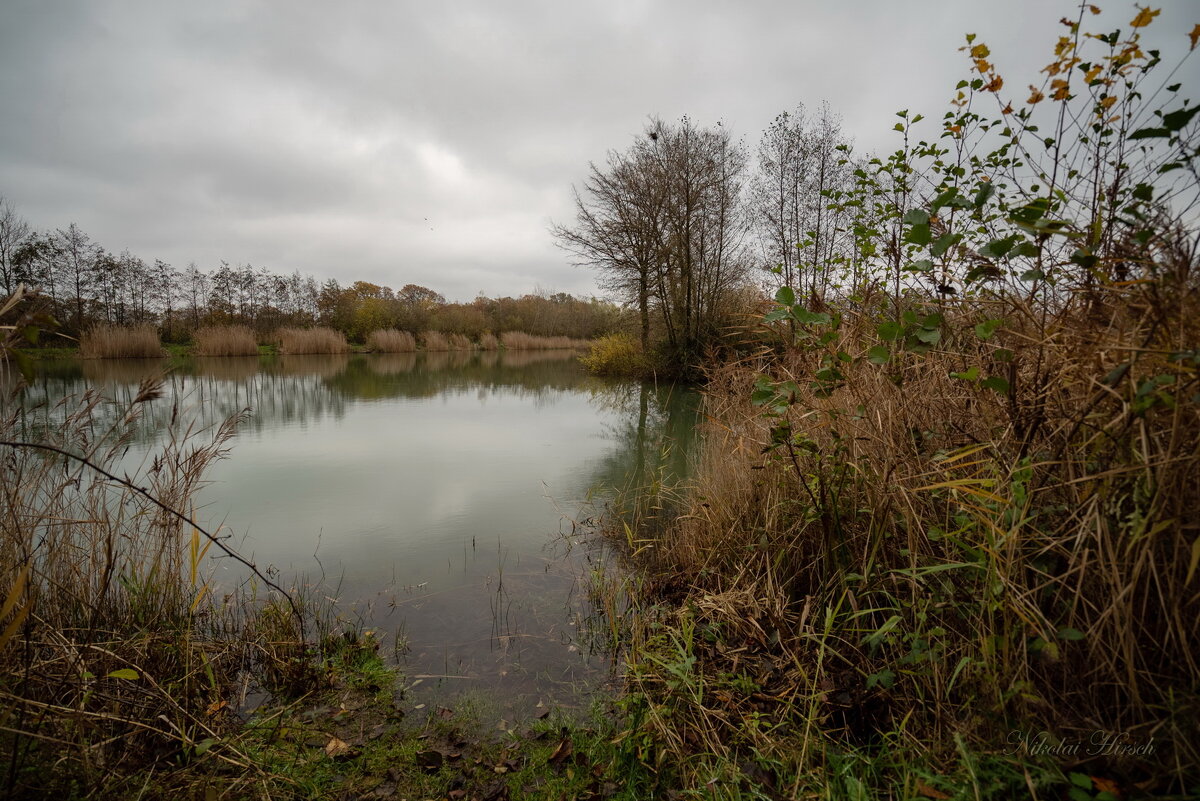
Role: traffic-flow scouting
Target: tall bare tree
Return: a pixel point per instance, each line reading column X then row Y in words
column 14, row 231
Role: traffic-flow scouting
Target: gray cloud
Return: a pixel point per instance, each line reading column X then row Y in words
column 433, row 143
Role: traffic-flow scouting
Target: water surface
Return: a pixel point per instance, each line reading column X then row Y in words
column 437, row 497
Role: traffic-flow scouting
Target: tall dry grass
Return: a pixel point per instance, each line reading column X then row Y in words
column 519, row 340
column 224, row 340
column 389, row 340
column 913, row 555
column 310, row 341
column 459, row 342
column 434, row 341
column 120, row 342
column 488, row 341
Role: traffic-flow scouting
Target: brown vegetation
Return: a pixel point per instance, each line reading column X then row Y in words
column 310, row 341
column 488, row 341
column 120, row 342
column 389, row 340
column 434, row 341
column 519, row 340
column 224, row 340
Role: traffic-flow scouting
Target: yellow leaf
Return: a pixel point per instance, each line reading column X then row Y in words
column 1145, row 17
column 1194, row 36
column 980, row 51
column 1036, row 97
column 1094, row 9
column 995, row 84
column 982, row 65
column 1092, row 73
column 1107, row 102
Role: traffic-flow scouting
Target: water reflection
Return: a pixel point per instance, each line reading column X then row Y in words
column 435, row 495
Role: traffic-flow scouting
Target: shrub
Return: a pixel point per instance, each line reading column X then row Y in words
column 389, row 340
column 310, row 340
column 120, row 342
column 614, row 354
column 224, row 340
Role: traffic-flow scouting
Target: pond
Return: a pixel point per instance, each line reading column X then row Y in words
column 441, row 499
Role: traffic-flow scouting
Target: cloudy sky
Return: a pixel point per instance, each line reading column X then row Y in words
column 434, row 143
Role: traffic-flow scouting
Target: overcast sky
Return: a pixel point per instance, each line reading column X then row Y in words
column 434, row 143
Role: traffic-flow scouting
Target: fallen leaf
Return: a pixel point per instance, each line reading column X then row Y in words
column 563, row 750
column 1106, row 785
column 338, row 749
column 930, row 792
column 430, row 761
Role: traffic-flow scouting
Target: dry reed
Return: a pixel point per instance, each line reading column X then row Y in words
column 459, row 342
column 489, row 342
column 311, row 341
column 519, row 340
column 120, row 342
column 389, row 340
column 224, row 340
column 434, row 341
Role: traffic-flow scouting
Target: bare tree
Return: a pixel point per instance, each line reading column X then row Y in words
column 14, row 232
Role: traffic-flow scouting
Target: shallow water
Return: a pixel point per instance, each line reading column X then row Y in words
column 441, row 498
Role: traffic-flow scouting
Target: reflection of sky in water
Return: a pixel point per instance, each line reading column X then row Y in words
column 430, row 495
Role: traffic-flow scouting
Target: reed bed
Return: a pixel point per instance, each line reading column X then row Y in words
column 488, row 341
column 120, row 342
column 459, row 342
column 311, row 341
column 224, row 340
column 519, row 340
column 434, row 341
column 389, row 340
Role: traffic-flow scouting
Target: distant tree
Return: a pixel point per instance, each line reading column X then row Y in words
column 14, row 232
column 76, row 262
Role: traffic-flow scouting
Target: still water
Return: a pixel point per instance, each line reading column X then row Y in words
column 441, row 499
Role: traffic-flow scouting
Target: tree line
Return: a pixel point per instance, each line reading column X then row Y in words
column 85, row 284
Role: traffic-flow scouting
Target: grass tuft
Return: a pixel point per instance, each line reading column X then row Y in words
column 311, row 341
column 389, row 340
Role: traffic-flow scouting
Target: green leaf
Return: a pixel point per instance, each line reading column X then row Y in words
column 995, row 383
column 944, row 243
column 1032, row 275
column 984, row 194
column 916, row 217
column 1081, row 780
column 879, row 354
column 785, row 296
column 987, row 328
column 890, row 331
column 805, row 317
column 1176, row 120
column 997, row 248
column 921, row 266
column 970, row 374
column 930, row 336
column 919, row 235
column 775, row 315
column 1150, row 133
column 1143, row 192
column 128, row 674
column 1070, row 634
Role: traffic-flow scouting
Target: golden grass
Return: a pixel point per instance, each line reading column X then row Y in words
column 519, row 340
column 389, row 340
column 311, row 341
column 488, row 341
column 434, row 341
column 224, row 340
column 120, row 342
